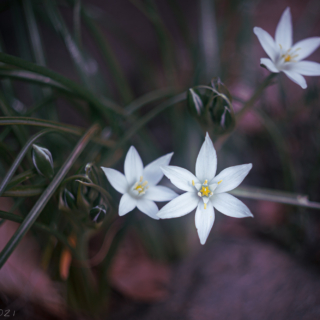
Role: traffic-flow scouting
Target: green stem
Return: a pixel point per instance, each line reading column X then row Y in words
column 46, row 195
column 250, row 103
column 39, row 226
column 275, row 196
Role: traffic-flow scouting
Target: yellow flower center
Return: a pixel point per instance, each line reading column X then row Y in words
column 205, row 191
column 141, row 187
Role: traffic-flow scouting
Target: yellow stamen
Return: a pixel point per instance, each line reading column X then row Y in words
column 205, row 182
column 145, row 183
column 205, row 206
column 287, row 58
column 219, row 181
column 193, row 182
column 141, row 178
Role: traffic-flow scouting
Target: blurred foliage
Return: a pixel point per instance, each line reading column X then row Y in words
column 71, row 65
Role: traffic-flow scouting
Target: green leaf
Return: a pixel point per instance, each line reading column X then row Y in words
column 42, row 160
column 102, row 107
column 52, row 125
column 24, row 191
column 46, row 195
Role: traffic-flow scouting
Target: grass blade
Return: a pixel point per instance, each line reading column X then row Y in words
column 46, row 195
column 103, row 108
column 52, row 125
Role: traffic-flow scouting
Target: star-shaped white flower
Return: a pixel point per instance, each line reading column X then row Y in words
column 139, row 185
column 205, row 191
column 287, row 57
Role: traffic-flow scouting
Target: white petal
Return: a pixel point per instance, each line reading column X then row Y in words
column 305, row 47
column 152, row 172
column 133, row 166
column 127, row 204
column 180, row 177
column 269, row 65
column 116, row 179
column 267, row 43
column 296, row 77
column 160, row 193
column 206, row 164
column 179, row 206
column 230, row 205
column 306, row 68
column 148, row 207
column 283, row 34
column 204, row 219
column 231, row 177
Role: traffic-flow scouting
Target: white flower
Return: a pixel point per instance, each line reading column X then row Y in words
column 205, row 191
column 139, row 185
column 285, row 56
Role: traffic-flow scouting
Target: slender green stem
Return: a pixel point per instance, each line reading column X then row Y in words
column 275, row 196
column 147, row 98
column 24, row 191
column 39, row 226
column 19, row 158
column 256, row 95
column 46, row 195
column 52, row 125
column 144, row 120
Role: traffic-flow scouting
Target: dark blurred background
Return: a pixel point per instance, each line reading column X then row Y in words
column 261, row 268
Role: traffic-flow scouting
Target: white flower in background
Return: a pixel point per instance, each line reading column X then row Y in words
column 205, row 191
column 287, row 57
column 139, row 185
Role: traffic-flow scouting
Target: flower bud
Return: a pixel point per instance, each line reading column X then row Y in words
column 42, row 160
column 98, row 213
column 69, row 199
column 195, row 103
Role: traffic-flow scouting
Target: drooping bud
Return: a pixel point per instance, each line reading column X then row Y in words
column 69, row 199
column 98, row 213
column 42, row 160
column 195, row 103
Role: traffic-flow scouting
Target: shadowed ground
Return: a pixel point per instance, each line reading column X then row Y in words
column 235, row 278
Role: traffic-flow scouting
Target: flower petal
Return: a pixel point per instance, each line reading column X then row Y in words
column 296, row 77
column 231, row 177
column 127, row 204
column 160, row 193
column 179, row 206
column 230, row 205
column 306, row 68
column 283, row 34
column 148, row 207
column 269, row 65
column 152, row 172
column 180, row 177
column 267, row 43
column 116, row 179
column 305, row 47
column 206, row 164
column 133, row 166
column 204, row 219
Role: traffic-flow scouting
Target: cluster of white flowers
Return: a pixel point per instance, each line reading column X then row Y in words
column 205, row 191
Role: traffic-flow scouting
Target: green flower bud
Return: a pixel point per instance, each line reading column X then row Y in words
column 195, row 103
column 42, row 160
column 98, row 213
